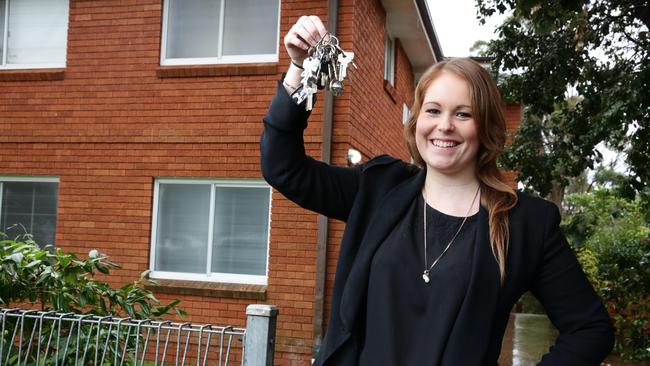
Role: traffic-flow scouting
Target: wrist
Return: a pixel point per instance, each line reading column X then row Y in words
column 297, row 64
column 289, row 86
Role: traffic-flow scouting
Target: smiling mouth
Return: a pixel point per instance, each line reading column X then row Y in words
column 444, row 143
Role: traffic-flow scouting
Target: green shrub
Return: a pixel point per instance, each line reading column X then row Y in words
column 57, row 281
column 610, row 236
column 63, row 282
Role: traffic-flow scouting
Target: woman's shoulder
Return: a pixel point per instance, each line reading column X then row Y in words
column 386, row 161
column 533, row 207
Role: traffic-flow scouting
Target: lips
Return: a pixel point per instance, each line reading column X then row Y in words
column 444, row 143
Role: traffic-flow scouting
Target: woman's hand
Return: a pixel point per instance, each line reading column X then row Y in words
column 306, row 33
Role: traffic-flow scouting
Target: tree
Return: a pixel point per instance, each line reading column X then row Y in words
column 581, row 70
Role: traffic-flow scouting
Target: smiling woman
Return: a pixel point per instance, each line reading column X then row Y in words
column 445, row 132
column 434, row 254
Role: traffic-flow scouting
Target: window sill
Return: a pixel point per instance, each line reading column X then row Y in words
column 390, row 90
column 210, row 289
column 217, row 70
column 32, row 74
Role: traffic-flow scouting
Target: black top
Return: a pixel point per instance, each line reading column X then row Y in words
column 415, row 319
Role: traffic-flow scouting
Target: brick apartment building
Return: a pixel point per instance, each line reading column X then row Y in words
column 132, row 127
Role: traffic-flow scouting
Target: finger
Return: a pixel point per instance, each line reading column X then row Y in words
column 319, row 25
column 307, row 31
column 294, row 40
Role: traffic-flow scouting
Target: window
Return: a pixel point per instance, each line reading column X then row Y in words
column 389, row 60
column 405, row 113
column 220, row 31
column 30, row 203
column 211, row 230
column 33, row 33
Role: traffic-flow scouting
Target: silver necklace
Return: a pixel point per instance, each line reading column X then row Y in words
column 427, row 269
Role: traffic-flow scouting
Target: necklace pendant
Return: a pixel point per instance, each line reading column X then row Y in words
column 425, row 277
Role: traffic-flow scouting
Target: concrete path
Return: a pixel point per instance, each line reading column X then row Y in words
column 529, row 336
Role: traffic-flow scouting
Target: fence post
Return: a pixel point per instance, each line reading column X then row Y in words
column 259, row 341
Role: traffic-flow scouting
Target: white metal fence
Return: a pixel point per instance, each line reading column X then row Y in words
column 31, row 337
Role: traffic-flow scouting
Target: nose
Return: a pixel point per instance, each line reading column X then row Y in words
column 445, row 123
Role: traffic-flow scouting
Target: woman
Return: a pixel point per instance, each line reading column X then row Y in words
column 434, row 255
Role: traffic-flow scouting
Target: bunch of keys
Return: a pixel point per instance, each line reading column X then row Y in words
column 325, row 68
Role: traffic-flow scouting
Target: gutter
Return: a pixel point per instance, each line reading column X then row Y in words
column 430, row 30
column 323, row 226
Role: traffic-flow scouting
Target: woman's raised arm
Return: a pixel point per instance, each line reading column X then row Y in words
column 312, row 184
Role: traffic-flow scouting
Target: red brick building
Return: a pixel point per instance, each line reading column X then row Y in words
column 132, row 127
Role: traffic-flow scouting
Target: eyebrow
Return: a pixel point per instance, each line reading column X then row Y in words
column 436, row 103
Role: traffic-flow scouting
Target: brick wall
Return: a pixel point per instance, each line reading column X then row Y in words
column 512, row 114
column 376, row 118
column 115, row 120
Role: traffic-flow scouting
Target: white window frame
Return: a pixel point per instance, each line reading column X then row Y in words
column 389, row 59
column 208, row 276
column 219, row 59
column 4, row 179
column 52, row 65
column 405, row 113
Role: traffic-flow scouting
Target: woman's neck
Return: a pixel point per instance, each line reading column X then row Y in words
column 451, row 195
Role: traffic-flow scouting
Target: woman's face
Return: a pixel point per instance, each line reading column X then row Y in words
column 445, row 131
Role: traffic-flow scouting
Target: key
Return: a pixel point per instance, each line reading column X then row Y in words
column 310, row 91
column 345, row 58
column 325, row 68
column 309, row 80
column 310, row 73
column 336, row 87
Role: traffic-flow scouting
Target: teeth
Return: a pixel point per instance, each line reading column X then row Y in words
column 440, row 143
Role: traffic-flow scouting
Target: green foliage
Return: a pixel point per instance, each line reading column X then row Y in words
column 581, row 69
column 610, row 236
column 589, row 261
column 62, row 282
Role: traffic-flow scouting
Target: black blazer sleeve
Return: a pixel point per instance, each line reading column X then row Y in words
column 312, row 184
column 586, row 331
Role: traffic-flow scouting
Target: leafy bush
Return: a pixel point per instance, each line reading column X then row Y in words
column 65, row 283
column 57, row 281
column 610, row 236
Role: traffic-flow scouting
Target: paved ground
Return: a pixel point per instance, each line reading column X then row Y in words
column 529, row 336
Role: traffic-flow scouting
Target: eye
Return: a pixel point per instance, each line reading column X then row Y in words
column 464, row 115
column 433, row 111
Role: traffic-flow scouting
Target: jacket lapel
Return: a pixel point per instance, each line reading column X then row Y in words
column 384, row 219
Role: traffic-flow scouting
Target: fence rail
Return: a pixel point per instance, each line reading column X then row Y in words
column 31, row 337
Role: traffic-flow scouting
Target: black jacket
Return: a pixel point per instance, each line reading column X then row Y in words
column 371, row 198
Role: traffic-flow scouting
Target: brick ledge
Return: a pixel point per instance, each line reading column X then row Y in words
column 390, row 90
column 32, row 74
column 217, row 70
column 209, row 289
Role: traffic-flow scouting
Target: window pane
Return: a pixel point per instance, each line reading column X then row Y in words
column 182, row 228
column 193, row 28
column 241, row 224
column 32, row 205
column 250, row 27
column 389, row 63
column 37, row 31
column 3, row 5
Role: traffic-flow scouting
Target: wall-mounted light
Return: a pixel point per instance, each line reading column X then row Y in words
column 354, row 157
